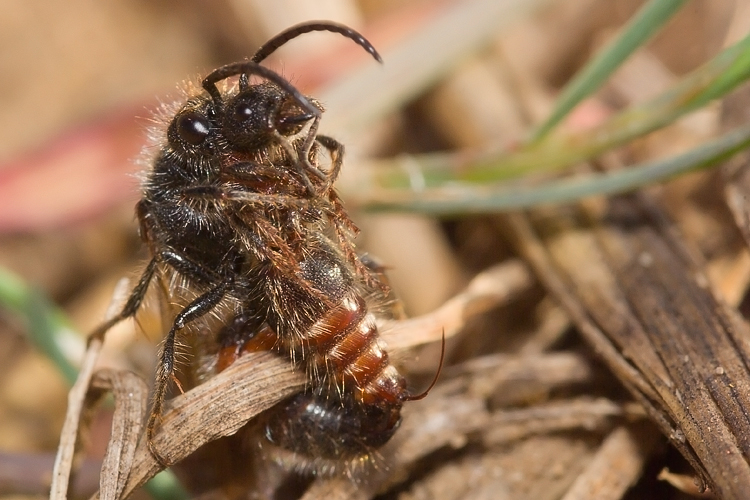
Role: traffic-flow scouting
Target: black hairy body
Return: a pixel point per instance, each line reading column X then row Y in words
column 240, row 216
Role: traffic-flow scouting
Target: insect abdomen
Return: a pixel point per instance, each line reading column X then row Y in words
column 354, row 396
column 341, row 346
column 320, row 424
column 356, row 354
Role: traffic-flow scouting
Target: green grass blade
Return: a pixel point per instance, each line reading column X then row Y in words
column 46, row 325
column 712, row 80
column 478, row 199
column 635, row 33
column 50, row 332
column 166, row 486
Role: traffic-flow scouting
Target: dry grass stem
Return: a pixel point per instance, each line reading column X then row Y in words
column 131, row 397
column 682, row 358
column 69, row 436
column 687, row 484
column 616, row 466
column 490, row 288
column 512, row 379
column 217, row 408
column 578, row 414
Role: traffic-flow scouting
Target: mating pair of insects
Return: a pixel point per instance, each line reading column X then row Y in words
column 239, row 215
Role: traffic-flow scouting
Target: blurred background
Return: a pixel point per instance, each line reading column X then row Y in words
column 80, row 81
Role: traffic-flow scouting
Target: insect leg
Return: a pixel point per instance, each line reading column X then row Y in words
column 379, row 270
column 197, row 308
column 301, row 162
column 133, row 303
column 186, row 267
column 336, row 149
column 305, row 155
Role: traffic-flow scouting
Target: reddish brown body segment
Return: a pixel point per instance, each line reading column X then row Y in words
column 354, row 396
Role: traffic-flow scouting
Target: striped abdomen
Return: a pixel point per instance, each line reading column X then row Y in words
column 344, row 350
column 353, row 400
column 352, row 403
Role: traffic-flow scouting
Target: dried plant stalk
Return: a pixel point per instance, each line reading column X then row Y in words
column 488, row 289
column 69, row 435
column 131, row 397
column 616, row 466
column 583, row 413
column 640, row 297
column 217, row 408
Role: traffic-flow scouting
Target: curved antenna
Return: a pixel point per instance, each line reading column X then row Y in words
column 423, row 394
column 274, row 43
column 252, row 68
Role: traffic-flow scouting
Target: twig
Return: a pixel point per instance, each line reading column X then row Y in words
column 616, row 466
column 490, row 288
column 68, row 436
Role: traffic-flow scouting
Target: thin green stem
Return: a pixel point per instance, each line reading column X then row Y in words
column 644, row 24
column 46, row 325
column 477, row 199
column 712, row 80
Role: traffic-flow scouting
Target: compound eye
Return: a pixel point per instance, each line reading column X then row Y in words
column 192, row 127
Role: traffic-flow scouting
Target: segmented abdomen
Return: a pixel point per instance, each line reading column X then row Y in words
column 353, row 399
column 344, row 347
